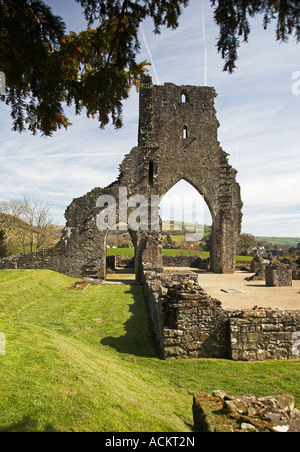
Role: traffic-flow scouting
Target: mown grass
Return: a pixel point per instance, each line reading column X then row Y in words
column 129, row 252
column 85, row 361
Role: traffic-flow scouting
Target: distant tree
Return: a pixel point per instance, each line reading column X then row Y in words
column 46, row 68
column 208, row 241
column 27, row 224
column 38, row 227
column 277, row 252
column 168, row 242
column 267, row 245
column 10, row 214
column 3, row 249
column 245, row 242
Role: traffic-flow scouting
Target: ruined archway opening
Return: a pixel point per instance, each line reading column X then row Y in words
column 119, row 255
column 186, row 221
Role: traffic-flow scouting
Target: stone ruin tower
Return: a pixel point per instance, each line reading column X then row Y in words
column 177, row 140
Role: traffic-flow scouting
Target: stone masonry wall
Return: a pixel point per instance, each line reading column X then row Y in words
column 185, row 261
column 263, row 334
column 195, row 326
column 278, row 275
column 156, row 284
column 43, row 259
column 114, row 262
column 224, row 413
column 177, row 140
column 187, row 323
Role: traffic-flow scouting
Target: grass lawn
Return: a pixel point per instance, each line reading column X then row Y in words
column 85, row 361
column 129, row 252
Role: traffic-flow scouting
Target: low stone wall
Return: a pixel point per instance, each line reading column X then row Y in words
column 45, row 259
column 188, row 323
column 195, row 326
column 185, row 261
column 117, row 261
column 296, row 273
column 260, row 275
column 256, row 264
column 220, row 412
column 264, row 334
column 277, row 272
column 156, row 285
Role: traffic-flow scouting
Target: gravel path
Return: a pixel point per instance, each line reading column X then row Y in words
column 236, row 293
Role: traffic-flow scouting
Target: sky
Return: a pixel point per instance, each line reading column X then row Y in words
column 258, row 108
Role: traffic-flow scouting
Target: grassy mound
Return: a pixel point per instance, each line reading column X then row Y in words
column 85, row 361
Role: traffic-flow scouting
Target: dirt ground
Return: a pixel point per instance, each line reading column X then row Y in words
column 236, row 293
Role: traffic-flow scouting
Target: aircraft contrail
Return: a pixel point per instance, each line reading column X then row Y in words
column 205, row 44
column 150, row 55
column 4, row 157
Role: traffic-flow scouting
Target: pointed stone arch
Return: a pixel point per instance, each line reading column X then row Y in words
column 162, row 158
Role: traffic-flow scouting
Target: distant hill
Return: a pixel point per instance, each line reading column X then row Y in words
column 291, row 241
column 177, row 233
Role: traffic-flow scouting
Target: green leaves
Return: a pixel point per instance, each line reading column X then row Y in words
column 47, row 69
column 29, row 33
column 232, row 18
column 95, row 69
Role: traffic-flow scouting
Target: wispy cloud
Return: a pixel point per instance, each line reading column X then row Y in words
column 257, row 111
column 150, row 55
column 204, row 43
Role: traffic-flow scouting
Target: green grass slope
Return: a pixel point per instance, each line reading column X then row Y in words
column 85, row 361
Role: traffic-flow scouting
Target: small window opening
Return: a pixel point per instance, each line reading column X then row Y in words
column 151, row 173
column 185, row 133
column 184, row 97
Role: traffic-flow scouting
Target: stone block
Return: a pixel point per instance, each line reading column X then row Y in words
column 278, row 275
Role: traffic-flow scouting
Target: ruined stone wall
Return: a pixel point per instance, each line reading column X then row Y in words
column 46, row 259
column 177, row 140
column 81, row 250
column 181, row 138
column 256, row 264
column 278, row 275
column 296, row 273
column 155, row 286
column 185, row 261
column 263, row 334
column 195, row 326
column 187, row 323
column 221, row 412
column 168, row 261
column 35, row 260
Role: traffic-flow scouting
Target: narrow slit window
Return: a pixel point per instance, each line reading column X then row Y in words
column 184, row 97
column 151, row 173
column 185, row 133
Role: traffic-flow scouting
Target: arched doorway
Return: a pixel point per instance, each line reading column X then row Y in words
column 186, row 218
column 119, row 255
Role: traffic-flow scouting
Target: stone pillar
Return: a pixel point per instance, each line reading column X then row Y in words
column 148, row 250
column 278, row 275
column 256, row 264
column 222, row 256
